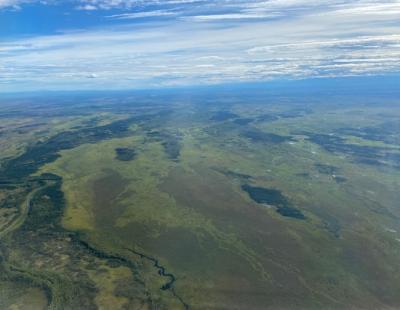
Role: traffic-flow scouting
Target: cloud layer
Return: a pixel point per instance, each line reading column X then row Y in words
column 179, row 42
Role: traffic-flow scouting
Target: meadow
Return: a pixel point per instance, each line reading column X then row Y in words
column 214, row 200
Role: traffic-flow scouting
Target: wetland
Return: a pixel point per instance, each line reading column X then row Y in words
column 149, row 201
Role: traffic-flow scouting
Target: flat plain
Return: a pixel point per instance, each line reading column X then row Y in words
column 200, row 200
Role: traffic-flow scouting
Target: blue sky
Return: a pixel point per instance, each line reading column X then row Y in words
column 115, row 44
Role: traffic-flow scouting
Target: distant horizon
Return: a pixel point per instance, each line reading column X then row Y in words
column 371, row 82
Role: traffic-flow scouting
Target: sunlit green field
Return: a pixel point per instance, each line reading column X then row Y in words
column 217, row 201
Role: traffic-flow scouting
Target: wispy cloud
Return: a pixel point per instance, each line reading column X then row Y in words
column 234, row 16
column 157, row 13
column 208, row 42
column 14, row 4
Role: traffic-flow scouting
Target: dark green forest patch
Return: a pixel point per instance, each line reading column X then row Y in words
column 265, row 195
column 49, row 256
column 267, row 118
column 305, row 175
column 170, row 142
column 290, row 212
column 339, row 179
column 125, row 154
column 46, row 152
column 243, row 121
column 256, row 135
column 223, row 116
column 42, row 239
column 233, row 174
column 294, row 113
column 364, row 154
column 326, row 169
column 388, row 132
column 59, row 261
column 275, row 198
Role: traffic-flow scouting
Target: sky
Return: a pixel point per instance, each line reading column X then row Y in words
column 115, row 44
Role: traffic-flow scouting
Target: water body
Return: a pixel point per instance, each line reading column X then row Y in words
column 275, row 198
column 48, row 220
column 163, row 273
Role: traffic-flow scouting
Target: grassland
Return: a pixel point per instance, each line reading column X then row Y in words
column 192, row 204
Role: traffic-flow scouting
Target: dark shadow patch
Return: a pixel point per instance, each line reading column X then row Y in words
column 290, row 212
column 332, row 171
column 305, row 175
column 327, row 169
column 170, row 142
column 172, row 148
column 265, row 195
column 256, row 135
column 267, row 118
column 125, row 154
column 339, row 179
column 388, row 132
column 294, row 113
column 243, row 121
column 363, row 154
column 223, row 116
column 275, row 198
column 47, row 151
column 233, row 174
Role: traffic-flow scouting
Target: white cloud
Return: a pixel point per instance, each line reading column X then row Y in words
column 234, row 16
column 86, row 7
column 16, row 4
column 360, row 42
column 11, row 3
column 156, row 13
column 303, row 39
column 109, row 4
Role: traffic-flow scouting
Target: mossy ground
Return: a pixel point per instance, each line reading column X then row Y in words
column 181, row 201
